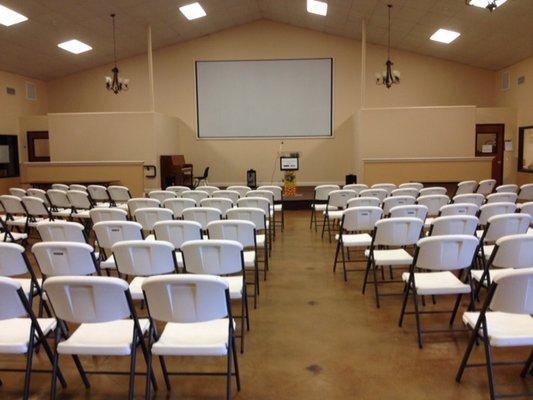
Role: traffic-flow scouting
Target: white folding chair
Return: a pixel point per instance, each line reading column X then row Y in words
column 277, row 207
column 510, row 188
column 378, row 192
column 413, row 211
column 141, row 202
column 196, row 310
column 100, row 214
column 395, row 201
column 504, row 321
column 36, row 210
column 414, row 185
column 8, row 235
column 99, row 195
column 221, row 258
column 337, row 203
column 16, row 215
column 178, row 232
column 141, row 258
column 39, row 193
column 489, row 210
column 81, row 204
column 110, row 232
column 433, row 190
column 162, row 195
column 263, row 204
column 196, row 195
column 178, row 189
column 60, row 186
column 486, row 186
column 202, row 215
column 364, row 202
column 242, row 190
column 319, row 203
column 526, row 192
column 454, row 225
column 77, row 186
column 356, row 187
column 147, row 217
column 232, row 195
column 356, row 225
column 205, row 188
column 411, row 192
column 433, row 202
column 459, row 209
column 389, row 187
column 502, row 197
column 59, row 203
column 527, row 208
column 18, row 192
column 21, row 331
column 466, row 187
column 431, row 274
column 61, row 231
column 119, row 196
column 223, row 205
column 178, row 205
column 268, row 195
column 102, row 310
column 395, row 234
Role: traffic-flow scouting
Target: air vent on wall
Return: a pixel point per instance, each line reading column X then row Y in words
column 11, row 91
column 31, row 91
column 505, row 80
column 521, row 80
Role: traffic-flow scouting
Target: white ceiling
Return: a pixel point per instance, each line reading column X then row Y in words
column 491, row 41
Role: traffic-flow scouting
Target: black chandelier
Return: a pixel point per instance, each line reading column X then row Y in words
column 388, row 77
column 115, row 83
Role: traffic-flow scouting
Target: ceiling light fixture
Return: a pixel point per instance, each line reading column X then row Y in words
column 115, row 83
column 193, row 11
column 388, row 77
column 317, row 7
column 490, row 5
column 75, row 46
column 9, row 17
column 445, row 36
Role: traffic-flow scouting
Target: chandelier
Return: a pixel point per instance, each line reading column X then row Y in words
column 115, row 83
column 388, row 77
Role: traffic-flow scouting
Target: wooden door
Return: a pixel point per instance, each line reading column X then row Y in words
column 38, row 149
column 490, row 143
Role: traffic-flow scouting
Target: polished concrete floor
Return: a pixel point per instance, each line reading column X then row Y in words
column 313, row 336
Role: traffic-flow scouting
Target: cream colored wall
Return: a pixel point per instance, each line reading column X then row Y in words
column 427, row 81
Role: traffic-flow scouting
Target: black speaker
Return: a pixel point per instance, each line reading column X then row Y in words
column 351, row 178
column 251, row 178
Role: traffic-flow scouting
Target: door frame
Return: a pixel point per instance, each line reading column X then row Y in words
column 31, row 136
column 498, row 157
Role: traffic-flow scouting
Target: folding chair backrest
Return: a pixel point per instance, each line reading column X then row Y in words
column 88, row 299
column 446, row 253
column 240, row 231
column 414, row 185
column 140, row 202
column 510, row 188
column 35, row 206
column 389, row 187
column 213, row 257
column 241, row 189
column 466, row 187
column 414, row 211
column 195, row 195
column 454, row 225
column 277, row 191
column 412, row 192
column 394, row 201
column 506, row 224
column 223, row 205
column 502, row 197
column 144, row 257
column 178, row 205
column 255, row 215
column 178, row 189
column 398, row 231
column 39, row 193
column 58, row 198
column 322, row 191
column 10, row 302
column 527, row 208
column 433, row 202
column 20, row 193
column 232, row 195
column 489, row 210
column 474, row 198
column 378, row 193
column 265, row 194
column 429, row 191
column 514, row 293
column 98, row 193
column 110, row 232
column 202, row 215
column 356, row 187
column 208, row 189
column 364, row 202
column 147, row 217
column 64, row 258
column 12, row 205
column 255, row 202
column 162, row 195
column 186, row 298
column 459, row 209
column 515, row 251
column 119, row 194
column 76, row 186
column 79, row 199
column 361, row 218
column 60, row 186
column 486, row 186
column 526, row 192
column 61, row 231
column 177, row 232
column 339, row 198
column 12, row 261
column 99, row 214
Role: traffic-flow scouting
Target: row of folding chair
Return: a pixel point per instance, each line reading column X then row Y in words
column 488, row 186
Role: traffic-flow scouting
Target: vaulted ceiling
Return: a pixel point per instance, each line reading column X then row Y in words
column 488, row 40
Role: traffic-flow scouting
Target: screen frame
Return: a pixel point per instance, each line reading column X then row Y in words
column 266, row 137
column 290, row 158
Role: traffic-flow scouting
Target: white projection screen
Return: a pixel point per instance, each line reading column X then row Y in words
column 264, row 98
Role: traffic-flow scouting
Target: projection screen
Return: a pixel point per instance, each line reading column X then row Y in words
column 264, row 98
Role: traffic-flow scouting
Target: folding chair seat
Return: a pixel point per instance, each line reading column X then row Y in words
column 59, row 202
column 110, row 232
column 136, row 203
column 100, row 214
column 395, row 201
column 99, row 195
column 413, row 211
column 319, row 203
column 395, row 234
column 147, row 217
column 336, row 204
column 107, row 325
column 510, row 188
column 433, row 202
column 178, row 189
column 356, row 187
column 504, row 321
column 196, row 195
column 526, row 192
column 178, row 205
column 209, row 330
column 141, row 258
column 466, row 187
column 119, row 196
column 364, row 202
column 454, row 225
column 242, row 190
column 502, row 198
column 356, row 224
column 439, row 257
column 162, row 195
column 232, row 195
column 223, row 205
column 433, row 190
column 389, row 187
column 414, row 185
column 486, row 187
column 178, row 232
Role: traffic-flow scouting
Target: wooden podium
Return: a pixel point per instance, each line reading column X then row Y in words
column 175, row 171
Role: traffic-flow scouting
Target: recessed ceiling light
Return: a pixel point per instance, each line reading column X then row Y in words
column 317, row 7
column 75, row 46
column 484, row 3
column 445, row 36
column 9, row 17
column 193, row 11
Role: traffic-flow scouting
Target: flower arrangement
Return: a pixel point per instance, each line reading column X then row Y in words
column 289, row 184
